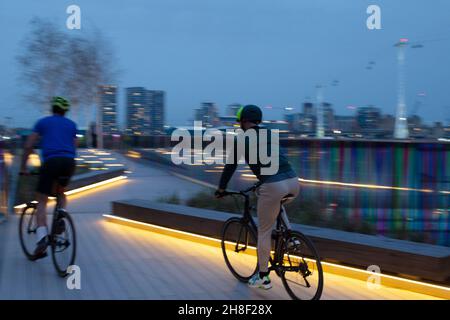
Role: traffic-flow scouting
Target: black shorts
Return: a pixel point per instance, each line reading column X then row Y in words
column 55, row 171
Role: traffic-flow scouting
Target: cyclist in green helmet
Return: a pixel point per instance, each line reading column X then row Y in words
column 57, row 136
column 270, row 193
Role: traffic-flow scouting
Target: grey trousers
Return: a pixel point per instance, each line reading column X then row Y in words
column 268, row 208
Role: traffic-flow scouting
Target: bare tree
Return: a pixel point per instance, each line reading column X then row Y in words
column 54, row 62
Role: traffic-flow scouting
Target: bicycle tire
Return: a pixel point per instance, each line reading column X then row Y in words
column 244, row 231
column 28, row 253
column 61, row 268
column 313, row 256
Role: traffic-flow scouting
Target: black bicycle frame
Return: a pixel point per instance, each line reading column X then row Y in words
column 56, row 211
column 279, row 232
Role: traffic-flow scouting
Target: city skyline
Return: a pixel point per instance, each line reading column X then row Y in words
column 219, row 53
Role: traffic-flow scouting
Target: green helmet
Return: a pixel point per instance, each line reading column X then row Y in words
column 250, row 113
column 61, row 103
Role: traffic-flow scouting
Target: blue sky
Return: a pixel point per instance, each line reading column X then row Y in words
column 254, row 51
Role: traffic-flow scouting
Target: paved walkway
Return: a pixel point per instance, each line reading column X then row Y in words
column 119, row 262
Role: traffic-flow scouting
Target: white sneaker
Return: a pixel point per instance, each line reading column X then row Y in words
column 257, row 282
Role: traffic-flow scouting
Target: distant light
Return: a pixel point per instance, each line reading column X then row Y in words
column 337, row 131
column 6, row 137
column 289, row 108
column 403, row 119
column 79, row 136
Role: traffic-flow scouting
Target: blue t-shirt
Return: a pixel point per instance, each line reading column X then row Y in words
column 57, row 136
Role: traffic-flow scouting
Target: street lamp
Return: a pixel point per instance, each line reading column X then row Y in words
column 401, row 125
column 320, row 132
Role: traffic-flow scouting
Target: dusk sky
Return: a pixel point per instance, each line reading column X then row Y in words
column 263, row 52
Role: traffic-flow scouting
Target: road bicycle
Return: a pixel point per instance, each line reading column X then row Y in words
column 61, row 240
column 294, row 258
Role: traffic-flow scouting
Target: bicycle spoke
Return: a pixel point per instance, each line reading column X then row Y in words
column 239, row 256
column 27, row 231
column 64, row 245
column 302, row 272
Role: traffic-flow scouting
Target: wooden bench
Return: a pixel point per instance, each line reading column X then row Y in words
column 396, row 257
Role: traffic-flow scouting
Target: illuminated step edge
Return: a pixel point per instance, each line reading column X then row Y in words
column 360, row 274
column 81, row 189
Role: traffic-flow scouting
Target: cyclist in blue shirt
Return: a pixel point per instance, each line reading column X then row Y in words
column 57, row 135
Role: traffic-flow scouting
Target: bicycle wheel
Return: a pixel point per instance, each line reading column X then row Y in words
column 301, row 273
column 239, row 249
column 27, row 230
column 63, row 243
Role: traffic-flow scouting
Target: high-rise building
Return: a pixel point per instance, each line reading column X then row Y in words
column 156, row 100
column 368, row 118
column 233, row 109
column 447, row 132
column 308, row 109
column 305, row 122
column 301, row 123
column 387, row 124
column 138, row 111
column 293, row 120
column 207, row 114
column 344, row 124
column 107, row 100
column 438, row 130
column 416, row 129
column 328, row 116
column 145, row 111
column 308, row 123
